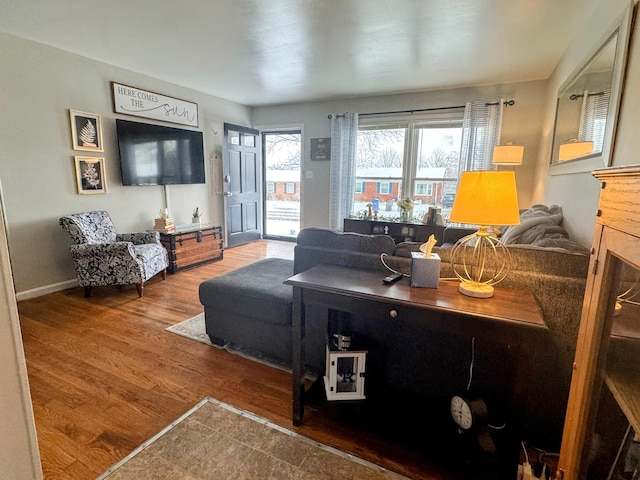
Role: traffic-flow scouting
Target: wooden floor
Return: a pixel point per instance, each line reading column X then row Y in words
column 105, row 376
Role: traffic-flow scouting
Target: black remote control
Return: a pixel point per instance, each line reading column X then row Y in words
column 392, row 278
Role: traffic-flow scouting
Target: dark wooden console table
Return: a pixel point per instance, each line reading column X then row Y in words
column 510, row 316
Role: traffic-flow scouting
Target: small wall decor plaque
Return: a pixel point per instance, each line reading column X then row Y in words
column 86, row 131
column 90, row 175
column 320, row 149
column 142, row 103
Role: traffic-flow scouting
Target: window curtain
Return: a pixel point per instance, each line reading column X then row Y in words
column 344, row 139
column 595, row 106
column 480, row 133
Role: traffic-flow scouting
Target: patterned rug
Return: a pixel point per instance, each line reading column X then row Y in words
column 214, row 440
column 194, row 329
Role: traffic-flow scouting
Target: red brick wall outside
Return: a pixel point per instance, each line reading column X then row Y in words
column 371, row 190
column 280, row 193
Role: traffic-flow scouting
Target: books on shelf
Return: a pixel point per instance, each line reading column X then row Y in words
column 164, row 225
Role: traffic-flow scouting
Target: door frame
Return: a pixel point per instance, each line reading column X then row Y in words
column 299, row 129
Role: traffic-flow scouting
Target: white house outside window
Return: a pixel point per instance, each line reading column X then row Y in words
column 290, row 187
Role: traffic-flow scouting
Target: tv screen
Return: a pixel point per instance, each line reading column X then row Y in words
column 158, row 155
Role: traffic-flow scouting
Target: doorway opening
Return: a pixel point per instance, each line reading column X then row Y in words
column 282, row 154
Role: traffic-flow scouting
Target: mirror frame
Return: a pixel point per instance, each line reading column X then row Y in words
column 588, row 163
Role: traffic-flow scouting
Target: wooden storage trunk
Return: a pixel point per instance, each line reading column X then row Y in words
column 192, row 247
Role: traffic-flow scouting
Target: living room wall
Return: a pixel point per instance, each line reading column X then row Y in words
column 578, row 192
column 521, row 124
column 39, row 85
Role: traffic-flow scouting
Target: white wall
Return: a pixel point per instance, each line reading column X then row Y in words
column 521, row 125
column 38, row 86
column 578, row 192
column 19, row 456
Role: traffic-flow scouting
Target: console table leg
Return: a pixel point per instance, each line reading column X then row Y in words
column 298, row 357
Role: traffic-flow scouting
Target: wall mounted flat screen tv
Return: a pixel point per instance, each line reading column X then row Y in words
column 158, row 155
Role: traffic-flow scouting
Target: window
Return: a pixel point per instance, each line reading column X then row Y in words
column 290, row 187
column 271, row 187
column 384, row 188
column 424, row 189
column 417, row 158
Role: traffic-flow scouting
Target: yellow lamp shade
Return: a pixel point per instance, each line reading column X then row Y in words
column 486, row 198
column 508, row 154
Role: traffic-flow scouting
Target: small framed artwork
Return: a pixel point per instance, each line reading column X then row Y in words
column 90, row 175
column 86, row 131
column 321, row 149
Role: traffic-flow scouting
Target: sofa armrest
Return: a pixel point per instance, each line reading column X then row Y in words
column 122, row 249
column 139, row 238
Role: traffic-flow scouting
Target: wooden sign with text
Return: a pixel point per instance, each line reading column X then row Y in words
column 142, row 103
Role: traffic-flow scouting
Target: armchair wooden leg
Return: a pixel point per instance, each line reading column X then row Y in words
column 140, row 287
column 164, row 274
column 87, row 291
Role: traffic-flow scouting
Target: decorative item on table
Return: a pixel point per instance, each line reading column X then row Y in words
column 406, row 208
column 480, row 260
column 425, row 265
column 197, row 216
column 433, row 217
column 345, row 374
column 165, row 223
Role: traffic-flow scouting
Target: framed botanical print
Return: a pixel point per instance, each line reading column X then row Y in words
column 90, row 175
column 86, row 131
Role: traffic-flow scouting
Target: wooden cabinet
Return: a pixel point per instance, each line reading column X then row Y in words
column 605, row 386
column 193, row 246
column 401, row 232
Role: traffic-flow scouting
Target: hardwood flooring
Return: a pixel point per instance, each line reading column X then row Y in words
column 105, row 376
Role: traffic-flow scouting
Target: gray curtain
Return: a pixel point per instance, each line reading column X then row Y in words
column 480, row 133
column 344, row 139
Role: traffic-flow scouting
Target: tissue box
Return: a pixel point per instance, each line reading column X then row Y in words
column 425, row 271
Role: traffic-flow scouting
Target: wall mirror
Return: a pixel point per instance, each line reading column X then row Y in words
column 587, row 105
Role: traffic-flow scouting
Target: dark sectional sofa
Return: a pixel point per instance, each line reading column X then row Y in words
column 250, row 308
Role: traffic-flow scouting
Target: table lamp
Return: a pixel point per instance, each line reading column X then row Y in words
column 574, row 149
column 480, row 260
column 508, row 154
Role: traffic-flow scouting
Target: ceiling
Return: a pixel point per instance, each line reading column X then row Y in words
column 262, row 52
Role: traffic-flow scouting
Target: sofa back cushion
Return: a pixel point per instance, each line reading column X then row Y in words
column 320, row 245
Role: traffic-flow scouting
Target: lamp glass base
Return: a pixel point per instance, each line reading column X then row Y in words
column 476, row 290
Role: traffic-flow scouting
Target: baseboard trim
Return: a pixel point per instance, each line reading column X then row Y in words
column 38, row 292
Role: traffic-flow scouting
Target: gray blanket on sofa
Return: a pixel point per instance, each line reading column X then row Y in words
column 540, row 226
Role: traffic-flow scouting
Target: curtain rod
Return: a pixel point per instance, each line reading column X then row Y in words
column 507, row 103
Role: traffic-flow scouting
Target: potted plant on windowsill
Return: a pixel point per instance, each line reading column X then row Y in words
column 196, row 217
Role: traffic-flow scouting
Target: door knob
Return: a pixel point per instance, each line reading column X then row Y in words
column 393, row 313
column 227, row 179
column 228, row 194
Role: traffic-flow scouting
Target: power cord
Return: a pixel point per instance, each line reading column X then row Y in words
column 382, row 255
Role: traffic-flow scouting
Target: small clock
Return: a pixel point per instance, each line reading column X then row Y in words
column 468, row 412
column 471, row 416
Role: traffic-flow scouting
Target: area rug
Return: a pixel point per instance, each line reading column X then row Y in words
column 214, row 440
column 194, row 329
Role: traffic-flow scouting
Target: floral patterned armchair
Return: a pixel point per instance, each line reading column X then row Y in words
column 102, row 257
